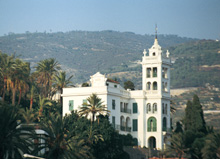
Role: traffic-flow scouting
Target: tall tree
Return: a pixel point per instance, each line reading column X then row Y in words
column 60, row 142
column 15, row 138
column 177, row 145
column 19, row 78
column 212, row 146
column 61, row 81
column 195, row 127
column 45, row 72
column 7, row 65
column 129, row 85
column 94, row 107
column 194, row 119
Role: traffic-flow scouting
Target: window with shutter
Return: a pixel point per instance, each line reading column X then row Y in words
column 71, row 105
column 135, row 108
column 135, row 125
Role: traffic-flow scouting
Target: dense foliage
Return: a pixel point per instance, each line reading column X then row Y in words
column 193, row 138
column 23, row 113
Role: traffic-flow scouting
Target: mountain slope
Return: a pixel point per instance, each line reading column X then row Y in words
column 84, row 53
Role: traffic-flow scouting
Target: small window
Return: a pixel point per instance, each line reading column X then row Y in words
column 115, row 86
column 155, row 86
column 154, row 107
column 148, row 107
column 135, row 125
column 163, row 110
column 135, row 108
column 71, row 104
column 148, row 86
column 113, row 121
column 154, row 53
column 155, row 72
column 113, row 104
column 148, row 72
column 84, row 102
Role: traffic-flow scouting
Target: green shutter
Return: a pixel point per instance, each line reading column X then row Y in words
column 84, row 102
column 135, row 125
column 154, row 124
column 113, row 104
column 71, row 104
column 135, row 108
column 149, row 126
column 113, row 121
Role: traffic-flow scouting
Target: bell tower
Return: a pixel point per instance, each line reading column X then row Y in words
column 156, row 84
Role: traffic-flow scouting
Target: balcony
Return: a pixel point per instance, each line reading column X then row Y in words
column 125, row 110
column 126, row 128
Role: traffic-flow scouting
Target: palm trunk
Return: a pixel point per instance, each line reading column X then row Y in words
column 93, row 117
column 3, row 95
column 19, row 99
column 31, row 103
column 13, row 96
column 4, row 89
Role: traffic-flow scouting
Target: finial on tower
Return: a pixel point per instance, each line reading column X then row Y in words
column 156, row 31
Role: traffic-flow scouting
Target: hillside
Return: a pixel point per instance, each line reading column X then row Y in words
column 84, row 53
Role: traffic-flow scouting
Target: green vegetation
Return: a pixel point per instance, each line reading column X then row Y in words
column 70, row 137
column 196, row 140
column 83, row 53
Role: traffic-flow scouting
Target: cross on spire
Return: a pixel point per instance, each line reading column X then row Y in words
column 156, row 31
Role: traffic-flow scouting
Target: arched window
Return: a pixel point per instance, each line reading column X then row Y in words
column 128, row 125
column 135, row 141
column 165, row 108
column 148, row 107
column 152, row 142
column 152, row 124
column 148, row 86
column 155, row 86
column 122, row 123
column 154, row 107
column 164, row 124
column 155, row 72
column 148, row 72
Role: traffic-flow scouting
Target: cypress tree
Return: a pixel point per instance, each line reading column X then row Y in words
column 194, row 118
column 199, row 123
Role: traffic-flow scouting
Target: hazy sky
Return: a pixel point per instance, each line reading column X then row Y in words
column 188, row 18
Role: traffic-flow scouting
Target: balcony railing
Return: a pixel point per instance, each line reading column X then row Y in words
column 122, row 128
column 125, row 110
column 126, row 128
column 117, row 127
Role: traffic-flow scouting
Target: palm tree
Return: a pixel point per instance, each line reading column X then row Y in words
column 45, row 72
column 42, row 103
column 94, row 107
column 177, row 145
column 61, row 81
column 19, row 78
column 7, row 65
column 28, row 115
column 60, row 142
column 212, row 146
column 15, row 138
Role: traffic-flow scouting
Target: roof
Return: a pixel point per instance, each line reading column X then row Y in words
column 112, row 81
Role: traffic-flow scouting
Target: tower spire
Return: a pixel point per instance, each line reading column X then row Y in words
column 155, row 31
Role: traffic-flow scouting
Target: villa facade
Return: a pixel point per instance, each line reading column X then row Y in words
column 145, row 114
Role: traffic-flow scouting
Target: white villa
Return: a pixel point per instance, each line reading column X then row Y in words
column 145, row 114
